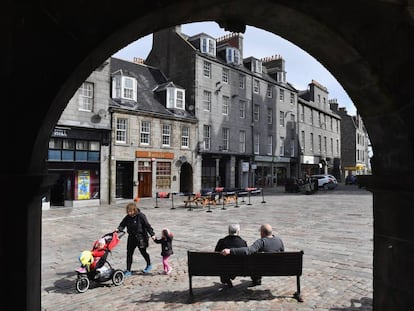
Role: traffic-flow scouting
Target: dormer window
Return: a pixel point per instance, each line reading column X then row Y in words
column 208, row 46
column 124, row 87
column 175, row 98
column 232, row 56
column 256, row 66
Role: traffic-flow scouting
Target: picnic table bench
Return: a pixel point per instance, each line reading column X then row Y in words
column 201, row 263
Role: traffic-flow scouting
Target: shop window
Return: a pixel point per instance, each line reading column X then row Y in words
column 163, row 177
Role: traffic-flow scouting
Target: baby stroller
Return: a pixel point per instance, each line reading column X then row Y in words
column 95, row 266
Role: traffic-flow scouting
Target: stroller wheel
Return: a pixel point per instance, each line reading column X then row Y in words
column 82, row 284
column 118, row 277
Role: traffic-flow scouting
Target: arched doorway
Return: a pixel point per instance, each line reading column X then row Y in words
column 367, row 46
column 186, row 178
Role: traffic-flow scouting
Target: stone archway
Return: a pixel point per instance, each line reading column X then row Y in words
column 186, row 178
column 52, row 47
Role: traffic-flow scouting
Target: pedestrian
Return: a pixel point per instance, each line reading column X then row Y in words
column 233, row 239
column 138, row 229
column 268, row 242
column 166, row 248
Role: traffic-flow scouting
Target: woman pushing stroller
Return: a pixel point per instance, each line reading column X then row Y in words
column 138, row 229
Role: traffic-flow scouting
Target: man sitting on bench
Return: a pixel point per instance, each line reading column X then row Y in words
column 268, row 242
column 233, row 239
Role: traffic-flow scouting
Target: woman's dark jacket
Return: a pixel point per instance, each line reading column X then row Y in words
column 137, row 226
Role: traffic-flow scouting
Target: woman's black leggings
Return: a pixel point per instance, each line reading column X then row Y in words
column 132, row 243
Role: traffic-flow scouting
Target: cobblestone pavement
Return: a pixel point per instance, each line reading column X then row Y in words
column 334, row 228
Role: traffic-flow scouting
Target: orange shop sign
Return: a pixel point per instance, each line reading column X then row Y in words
column 154, row 154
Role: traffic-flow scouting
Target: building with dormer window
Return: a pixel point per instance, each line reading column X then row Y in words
column 153, row 138
column 242, row 135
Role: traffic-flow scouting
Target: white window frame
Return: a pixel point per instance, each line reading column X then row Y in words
column 225, row 75
column 281, row 95
column 257, row 66
column 311, row 143
column 269, row 145
column 292, row 148
column 303, row 141
column 256, row 143
column 232, row 56
column 242, row 81
column 269, row 91
column 282, row 118
column 269, row 116
column 282, row 146
column 242, row 141
column 175, row 98
column 226, row 105
column 86, row 96
column 206, row 136
column 145, row 135
column 242, row 109
column 121, row 133
column 166, row 135
column 256, row 112
column 256, row 86
column 207, row 69
column 226, row 138
column 208, row 46
column 206, row 100
column 119, row 88
column 185, row 137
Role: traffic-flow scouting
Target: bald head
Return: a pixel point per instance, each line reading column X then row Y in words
column 265, row 230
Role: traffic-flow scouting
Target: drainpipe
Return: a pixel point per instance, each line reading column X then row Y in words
column 110, row 158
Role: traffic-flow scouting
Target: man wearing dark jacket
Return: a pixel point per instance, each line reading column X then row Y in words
column 267, row 243
column 233, row 239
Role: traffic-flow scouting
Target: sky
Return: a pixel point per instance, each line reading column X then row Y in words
column 301, row 67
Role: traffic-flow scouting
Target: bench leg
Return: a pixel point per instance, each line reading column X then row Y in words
column 298, row 295
column 191, row 285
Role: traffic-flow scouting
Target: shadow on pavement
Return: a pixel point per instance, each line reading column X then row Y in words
column 240, row 292
column 362, row 304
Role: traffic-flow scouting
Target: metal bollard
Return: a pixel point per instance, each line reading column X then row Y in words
column 209, row 210
column 249, row 198
column 172, row 200
column 222, row 197
column 237, row 198
column 156, row 200
column 263, row 200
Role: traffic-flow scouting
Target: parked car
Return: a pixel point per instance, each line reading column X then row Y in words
column 351, row 180
column 326, row 181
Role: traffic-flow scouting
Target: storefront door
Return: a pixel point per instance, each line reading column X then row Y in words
column 144, row 184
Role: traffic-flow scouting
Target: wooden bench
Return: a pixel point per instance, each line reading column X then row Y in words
column 230, row 197
column 259, row 264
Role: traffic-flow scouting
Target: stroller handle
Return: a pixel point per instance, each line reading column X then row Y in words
column 120, row 233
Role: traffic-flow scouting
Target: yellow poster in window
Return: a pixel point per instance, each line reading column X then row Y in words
column 84, row 182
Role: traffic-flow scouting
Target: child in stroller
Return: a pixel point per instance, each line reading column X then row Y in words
column 95, row 266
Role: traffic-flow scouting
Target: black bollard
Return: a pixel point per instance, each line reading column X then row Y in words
column 191, row 204
column 249, row 199
column 172, row 200
column 222, row 197
column 263, row 200
column 156, row 200
column 237, row 198
column 209, row 210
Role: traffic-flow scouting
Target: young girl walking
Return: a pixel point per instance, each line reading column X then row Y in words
column 166, row 248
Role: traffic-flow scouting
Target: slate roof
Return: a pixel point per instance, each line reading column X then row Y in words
column 149, row 80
